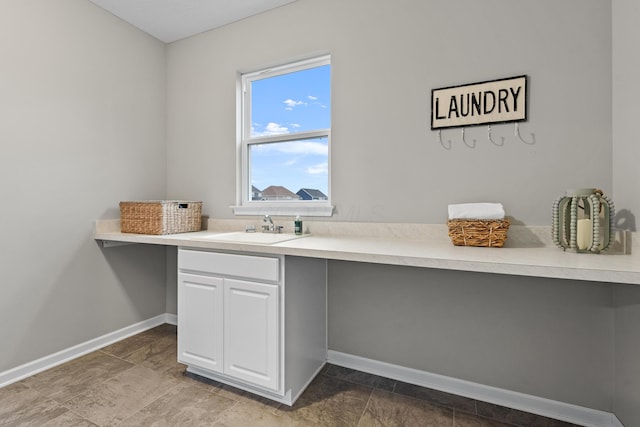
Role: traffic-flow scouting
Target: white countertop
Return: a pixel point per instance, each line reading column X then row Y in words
column 528, row 251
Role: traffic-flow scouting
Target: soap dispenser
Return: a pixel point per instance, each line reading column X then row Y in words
column 297, row 225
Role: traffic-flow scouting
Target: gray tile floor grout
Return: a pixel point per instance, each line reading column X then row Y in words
column 138, row 382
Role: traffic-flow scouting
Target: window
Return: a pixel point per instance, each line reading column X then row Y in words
column 285, row 138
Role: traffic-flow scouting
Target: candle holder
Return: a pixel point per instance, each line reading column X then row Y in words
column 583, row 221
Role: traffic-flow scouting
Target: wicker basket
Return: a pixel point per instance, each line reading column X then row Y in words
column 160, row 216
column 476, row 232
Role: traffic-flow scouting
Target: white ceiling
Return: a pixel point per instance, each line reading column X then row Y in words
column 171, row 20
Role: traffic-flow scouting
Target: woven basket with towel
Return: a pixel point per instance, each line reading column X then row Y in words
column 478, row 224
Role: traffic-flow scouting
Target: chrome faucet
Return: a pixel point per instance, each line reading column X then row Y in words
column 269, row 226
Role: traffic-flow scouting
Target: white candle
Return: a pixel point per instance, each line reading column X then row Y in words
column 583, row 235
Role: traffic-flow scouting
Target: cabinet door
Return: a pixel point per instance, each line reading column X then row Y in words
column 251, row 332
column 200, row 317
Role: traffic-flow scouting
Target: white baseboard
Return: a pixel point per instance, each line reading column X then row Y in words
column 171, row 319
column 55, row 359
column 510, row 399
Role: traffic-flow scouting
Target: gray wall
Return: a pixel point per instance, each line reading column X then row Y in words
column 625, row 110
column 626, row 178
column 82, row 107
column 627, row 351
column 387, row 165
column 548, row 338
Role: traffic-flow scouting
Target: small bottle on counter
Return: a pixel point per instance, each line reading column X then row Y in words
column 297, row 225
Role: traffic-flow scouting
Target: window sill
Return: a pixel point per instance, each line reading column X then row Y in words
column 284, row 210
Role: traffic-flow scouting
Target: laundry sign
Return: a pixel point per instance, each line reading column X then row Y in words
column 495, row 101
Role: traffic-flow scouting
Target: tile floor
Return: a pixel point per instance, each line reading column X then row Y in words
column 137, row 382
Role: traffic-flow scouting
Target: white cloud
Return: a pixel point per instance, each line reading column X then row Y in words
column 270, row 129
column 315, row 101
column 322, row 168
column 296, row 147
column 290, row 104
column 304, row 147
column 275, row 129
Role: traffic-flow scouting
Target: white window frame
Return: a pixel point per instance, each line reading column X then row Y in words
column 244, row 204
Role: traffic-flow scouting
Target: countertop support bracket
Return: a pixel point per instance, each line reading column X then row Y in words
column 112, row 243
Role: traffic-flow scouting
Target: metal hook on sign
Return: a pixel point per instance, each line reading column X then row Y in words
column 473, row 145
column 442, row 143
column 533, row 136
column 491, row 138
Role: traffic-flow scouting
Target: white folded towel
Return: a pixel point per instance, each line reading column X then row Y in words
column 476, row 211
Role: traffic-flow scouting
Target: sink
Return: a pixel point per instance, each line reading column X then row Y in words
column 255, row 238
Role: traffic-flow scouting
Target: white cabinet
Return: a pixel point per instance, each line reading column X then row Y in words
column 251, row 335
column 200, row 328
column 232, row 325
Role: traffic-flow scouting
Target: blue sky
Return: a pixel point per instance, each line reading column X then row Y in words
column 290, row 103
